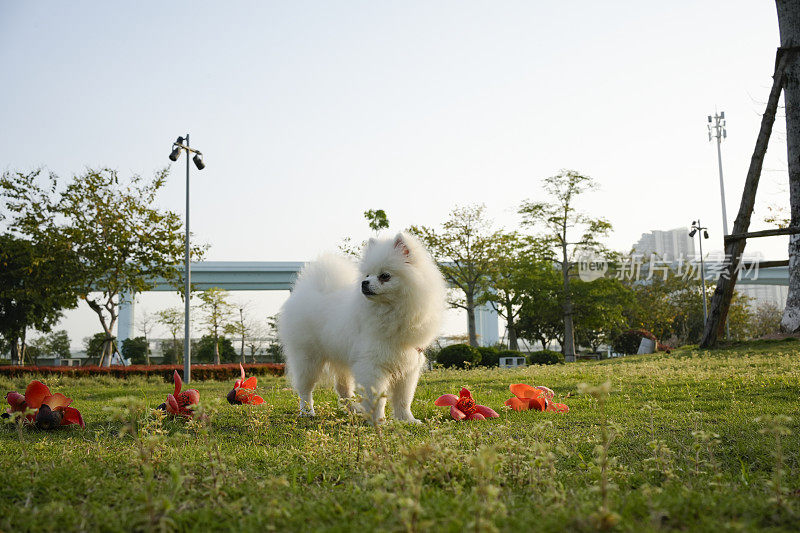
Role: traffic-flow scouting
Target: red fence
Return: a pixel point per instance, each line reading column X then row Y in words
column 199, row 372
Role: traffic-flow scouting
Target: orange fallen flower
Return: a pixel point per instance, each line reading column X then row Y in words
column 539, row 398
column 244, row 391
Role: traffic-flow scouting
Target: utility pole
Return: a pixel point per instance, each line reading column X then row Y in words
column 717, row 130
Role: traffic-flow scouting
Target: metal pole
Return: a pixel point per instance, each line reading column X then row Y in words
column 187, row 337
column 718, row 130
column 721, row 183
column 702, row 272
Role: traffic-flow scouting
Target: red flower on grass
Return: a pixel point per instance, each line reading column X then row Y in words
column 464, row 407
column 539, row 398
column 244, row 391
column 178, row 403
column 52, row 410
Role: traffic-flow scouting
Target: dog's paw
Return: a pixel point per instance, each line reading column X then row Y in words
column 308, row 414
column 408, row 419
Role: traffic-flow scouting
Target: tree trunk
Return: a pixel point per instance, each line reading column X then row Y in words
column 23, row 345
column 16, row 354
column 789, row 25
column 569, row 336
column 216, row 347
column 473, row 337
column 720, row 302
column 543, row 341
column 512, row 329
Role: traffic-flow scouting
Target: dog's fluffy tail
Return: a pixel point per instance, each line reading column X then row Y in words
column 328, row 273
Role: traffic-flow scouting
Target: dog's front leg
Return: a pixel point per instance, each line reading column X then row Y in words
column 375, row 386
column 403, row 390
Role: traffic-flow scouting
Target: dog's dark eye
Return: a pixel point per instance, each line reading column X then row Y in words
column 385, row 277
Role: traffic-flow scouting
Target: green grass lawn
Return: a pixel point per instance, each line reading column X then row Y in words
column 685, row 441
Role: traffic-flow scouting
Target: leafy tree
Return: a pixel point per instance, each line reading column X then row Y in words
column 540, row 316
column 599, row 310
column 275, row 353
column 256, row 340
column 122, row 242
column 58, row 344
column 559, row 219
column 171, row 355
column 55, row 344
column 377, row 219
column 242, row 328
column 210, row 349
column 172, row 318
column 274, row 348
column 35, row 349
column 145, row 324
column 217, row 315
column 671, row 307
column 37, row 281
column 513, row 265
column 463, row 249
column 136, row 350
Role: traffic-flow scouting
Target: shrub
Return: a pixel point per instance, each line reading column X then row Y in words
column 459, row 356
column 199, row 372
column 628, row 341
column 545, row 357
column 489, row 356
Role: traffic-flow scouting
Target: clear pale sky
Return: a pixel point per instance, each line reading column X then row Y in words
column 310, row 113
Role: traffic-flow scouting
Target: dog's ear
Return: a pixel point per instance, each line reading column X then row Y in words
column 401, row 246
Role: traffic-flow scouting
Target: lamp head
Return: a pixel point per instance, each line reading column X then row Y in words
column 176, row 153
column 198, row 161
column 705, row 234
column 691, row 233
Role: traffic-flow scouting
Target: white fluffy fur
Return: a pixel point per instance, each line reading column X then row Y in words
column 370, row 340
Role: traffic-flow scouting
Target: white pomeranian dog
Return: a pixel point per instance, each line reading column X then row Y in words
column 368, row 323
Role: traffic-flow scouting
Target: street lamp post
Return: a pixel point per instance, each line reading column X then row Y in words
column 183, row 144
column 696, row 227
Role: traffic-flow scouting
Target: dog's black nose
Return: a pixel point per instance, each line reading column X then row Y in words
column 365, row 288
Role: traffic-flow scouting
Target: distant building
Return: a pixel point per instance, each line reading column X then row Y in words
column 668, row 245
